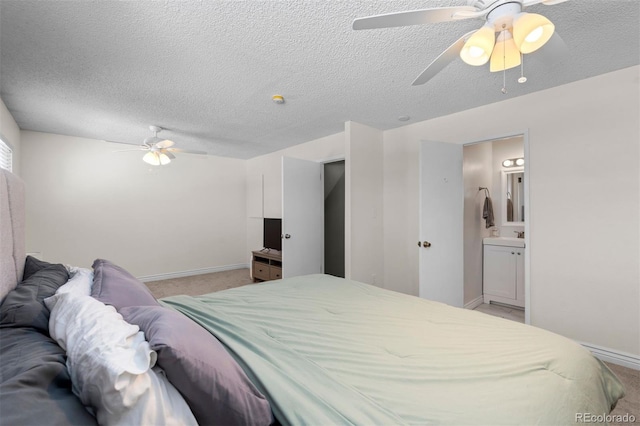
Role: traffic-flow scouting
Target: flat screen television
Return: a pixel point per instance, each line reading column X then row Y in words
column 272, row 234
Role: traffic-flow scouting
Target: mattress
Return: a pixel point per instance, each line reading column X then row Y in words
column 326, row 350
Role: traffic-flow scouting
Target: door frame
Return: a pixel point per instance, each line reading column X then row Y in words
column 527, row 213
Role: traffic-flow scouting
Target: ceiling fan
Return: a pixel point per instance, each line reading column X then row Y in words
column 518, row 33
column 159, row 151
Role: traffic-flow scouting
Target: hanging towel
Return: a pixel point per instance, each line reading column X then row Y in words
column 487, row 212
column 509, row 210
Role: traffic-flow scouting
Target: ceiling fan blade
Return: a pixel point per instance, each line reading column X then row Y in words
column 185, row 151
column 528, row 3
column 164, row 144
column 168, row 153
column 445, row 58
column 122, row 143
column 412, row 17
column 127, row 150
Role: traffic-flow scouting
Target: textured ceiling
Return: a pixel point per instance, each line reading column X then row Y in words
column 206, row 70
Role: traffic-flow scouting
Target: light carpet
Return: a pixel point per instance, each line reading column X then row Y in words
column 200, row 284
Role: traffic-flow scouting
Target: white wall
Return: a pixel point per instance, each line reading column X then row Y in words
column 269, row 168
column 10, row 134
column 401, row 152
column 584, row 202
column 364, row 207
column 86, row 202
column 477, row 170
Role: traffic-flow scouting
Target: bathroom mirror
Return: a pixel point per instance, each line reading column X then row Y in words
column 513, row 197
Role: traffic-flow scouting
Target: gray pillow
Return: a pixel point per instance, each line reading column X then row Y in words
column 33, row 265
column 24, row 307
column 36, row 386
column 210, row 380
column 113, row 285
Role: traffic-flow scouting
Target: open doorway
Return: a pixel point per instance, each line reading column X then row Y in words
column 494, row 256
column 334, row 223
column 313, row 217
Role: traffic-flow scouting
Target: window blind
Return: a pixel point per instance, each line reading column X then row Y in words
column 6, row 156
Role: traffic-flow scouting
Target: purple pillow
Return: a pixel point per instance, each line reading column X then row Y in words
column 112, row 285
column 210, row 380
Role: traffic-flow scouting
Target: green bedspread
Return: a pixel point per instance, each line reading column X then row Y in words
column 330, row 351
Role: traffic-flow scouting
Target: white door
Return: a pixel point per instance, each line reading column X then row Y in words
column 441, row 223
column 302, row 217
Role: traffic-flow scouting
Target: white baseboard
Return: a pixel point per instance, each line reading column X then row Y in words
column 614, row 357
column 181, row 274
column 474, row 303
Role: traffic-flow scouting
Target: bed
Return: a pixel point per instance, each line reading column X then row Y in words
column 312, row 350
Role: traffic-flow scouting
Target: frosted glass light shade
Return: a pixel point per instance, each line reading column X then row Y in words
column 477, row 50
column 156, row 159
column 164, row 159
column 531, row 31
column 505, row 54
column 513, row 162
column 151, row 158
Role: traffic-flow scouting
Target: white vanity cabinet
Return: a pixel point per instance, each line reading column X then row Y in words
column 503, row 271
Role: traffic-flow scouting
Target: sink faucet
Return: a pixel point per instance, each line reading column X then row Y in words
column 520, row 234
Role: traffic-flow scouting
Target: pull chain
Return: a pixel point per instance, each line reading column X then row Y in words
column 522, row 78
column 504, row 64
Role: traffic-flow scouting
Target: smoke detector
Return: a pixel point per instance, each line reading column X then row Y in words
column 278, row 99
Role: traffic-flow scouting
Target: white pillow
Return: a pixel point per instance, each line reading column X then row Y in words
column 110, row 365
column 80, row 282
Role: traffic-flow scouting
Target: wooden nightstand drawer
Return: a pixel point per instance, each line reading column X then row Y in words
column 275, row 273
column 266, row 265
column 260, row 271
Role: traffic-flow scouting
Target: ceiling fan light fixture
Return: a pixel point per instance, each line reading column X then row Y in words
column 151, row 158
column 477, row 50
column 531, row 31
column 164, row 159
column 506, row 54
column 156, row 159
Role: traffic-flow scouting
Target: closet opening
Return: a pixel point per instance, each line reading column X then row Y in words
column 334, row 215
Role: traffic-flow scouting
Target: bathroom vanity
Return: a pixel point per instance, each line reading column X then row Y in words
column 503, row 270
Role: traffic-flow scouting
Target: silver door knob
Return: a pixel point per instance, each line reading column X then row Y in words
column 287, row 236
